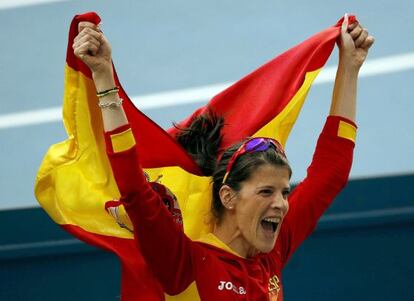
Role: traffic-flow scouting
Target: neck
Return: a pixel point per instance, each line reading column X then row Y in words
column 230, row 234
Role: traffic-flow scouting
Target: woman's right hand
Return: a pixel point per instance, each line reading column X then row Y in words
column 92, row 47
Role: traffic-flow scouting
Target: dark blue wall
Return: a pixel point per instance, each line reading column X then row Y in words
column 362, row 250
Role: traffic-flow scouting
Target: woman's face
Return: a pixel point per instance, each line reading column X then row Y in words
column 260, row 206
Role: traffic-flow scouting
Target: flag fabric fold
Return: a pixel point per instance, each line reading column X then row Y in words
column 75, row 184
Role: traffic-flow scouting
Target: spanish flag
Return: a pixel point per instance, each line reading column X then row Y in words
column 75, row 184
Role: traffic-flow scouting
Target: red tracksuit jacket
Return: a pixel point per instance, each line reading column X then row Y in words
column 212, row 268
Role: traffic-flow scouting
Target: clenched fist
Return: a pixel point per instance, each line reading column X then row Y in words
column 354, row 43
column 92, row 47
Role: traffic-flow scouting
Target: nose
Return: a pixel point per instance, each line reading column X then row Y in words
column 280, row 203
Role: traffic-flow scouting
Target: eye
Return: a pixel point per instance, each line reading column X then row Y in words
column 266, row 191
column 286, row 193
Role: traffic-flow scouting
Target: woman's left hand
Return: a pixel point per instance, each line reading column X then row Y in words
column 354, row 43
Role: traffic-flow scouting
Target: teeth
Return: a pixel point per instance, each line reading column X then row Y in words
column 271, row 219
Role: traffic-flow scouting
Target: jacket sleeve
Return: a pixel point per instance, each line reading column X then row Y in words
column 165, row 247
column 326, row 177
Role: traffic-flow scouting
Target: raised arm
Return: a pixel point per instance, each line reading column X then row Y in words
column 92, row 47
column 165, row 247
column 332, row 160
column 353, row 49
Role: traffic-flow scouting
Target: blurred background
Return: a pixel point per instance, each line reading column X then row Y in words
column 171, row 57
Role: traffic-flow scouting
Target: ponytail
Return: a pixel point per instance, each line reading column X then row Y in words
column 202, row 139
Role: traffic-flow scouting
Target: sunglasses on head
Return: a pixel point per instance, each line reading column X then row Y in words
column 253, row 145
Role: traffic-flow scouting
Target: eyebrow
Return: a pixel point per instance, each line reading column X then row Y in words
column 266, row 186
column 273, row 187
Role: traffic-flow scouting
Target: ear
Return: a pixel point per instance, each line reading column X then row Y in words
column 227, row 197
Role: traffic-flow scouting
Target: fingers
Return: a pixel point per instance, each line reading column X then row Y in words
column 369, row 41
column 88, row 34
column 84, row 24
column 88, row 41
column 352, row 25
column 345, row 22
column 361, row 38
column 93, row 31
column 355, row 32
column 86, row 49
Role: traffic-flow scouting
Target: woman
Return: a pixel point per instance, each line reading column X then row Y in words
column 254, row 234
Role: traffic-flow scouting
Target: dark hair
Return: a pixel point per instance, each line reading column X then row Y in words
column 202, row 141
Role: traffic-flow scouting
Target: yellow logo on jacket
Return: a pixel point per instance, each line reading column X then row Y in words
column 274, row 288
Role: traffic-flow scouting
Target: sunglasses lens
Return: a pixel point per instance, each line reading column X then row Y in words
column 257, row 144
column 253, row 145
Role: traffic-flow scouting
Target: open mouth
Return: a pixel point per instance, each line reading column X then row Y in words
column 270, row 224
